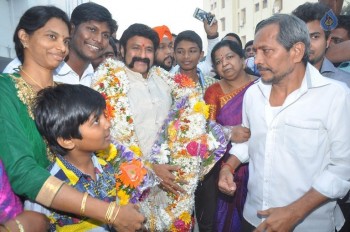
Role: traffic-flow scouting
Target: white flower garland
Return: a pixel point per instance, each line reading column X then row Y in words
column 184, row 140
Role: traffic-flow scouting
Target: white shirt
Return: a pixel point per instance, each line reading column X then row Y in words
column 63, row 73
column 150, row 101
column 305, row 144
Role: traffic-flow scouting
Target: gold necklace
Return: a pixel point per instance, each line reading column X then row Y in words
column 21, row 68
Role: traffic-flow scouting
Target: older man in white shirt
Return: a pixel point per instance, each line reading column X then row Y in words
column 299, row 150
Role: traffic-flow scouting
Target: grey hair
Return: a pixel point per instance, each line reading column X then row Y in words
column 291, row 31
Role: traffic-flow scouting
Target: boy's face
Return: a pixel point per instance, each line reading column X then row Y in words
column 95, row 134
column 187, row 55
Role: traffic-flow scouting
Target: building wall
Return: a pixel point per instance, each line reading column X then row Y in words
column 241, row 16
column 12, row 10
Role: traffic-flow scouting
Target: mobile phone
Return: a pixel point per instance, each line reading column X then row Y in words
column 202, row 15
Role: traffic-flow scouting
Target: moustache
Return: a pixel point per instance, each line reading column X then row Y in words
column 169, row 57
column 261, row 68
column 139, row 59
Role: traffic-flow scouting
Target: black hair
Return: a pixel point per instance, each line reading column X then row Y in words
column 249, row 43
column 344, row 22
column 138, row 29
column 236, row 37
column 190, row 36
column 112, row 42
column 60, row 110
column 92, row 11
column 33, row 19
column 309, row 12
column 227, row 43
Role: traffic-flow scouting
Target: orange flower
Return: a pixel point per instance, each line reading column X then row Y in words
column 109, row 111
column 184, row 81
column 132, row 173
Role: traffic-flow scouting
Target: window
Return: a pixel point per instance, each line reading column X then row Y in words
column 222, row 3
column 242, row 20
column 264, row 3
column 256, row 7
column 222, row 21
column 277, row 6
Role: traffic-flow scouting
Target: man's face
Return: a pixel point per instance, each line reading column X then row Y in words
column 318, row 41
column 339, row 35
column 89, row 39
column 139, row 54
column 187, row 55
column 165, row 54
column 274, row 62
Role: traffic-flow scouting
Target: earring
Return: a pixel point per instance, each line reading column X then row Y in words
column 24, row 45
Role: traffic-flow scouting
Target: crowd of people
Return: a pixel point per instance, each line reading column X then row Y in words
column 248, row 138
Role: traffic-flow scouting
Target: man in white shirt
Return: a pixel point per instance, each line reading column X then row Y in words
column 92, row 25
column 299, row 150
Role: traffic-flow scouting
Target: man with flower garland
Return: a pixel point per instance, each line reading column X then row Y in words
column 141, row 98
column 149, row 96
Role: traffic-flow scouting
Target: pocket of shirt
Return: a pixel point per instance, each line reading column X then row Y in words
column 301, row 138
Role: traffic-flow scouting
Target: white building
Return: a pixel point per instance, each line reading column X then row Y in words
column 241, row 16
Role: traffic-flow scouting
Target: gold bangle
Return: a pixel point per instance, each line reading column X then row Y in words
column 109, row 212
column 83, row 204
column 116, row 214
column 20, row 226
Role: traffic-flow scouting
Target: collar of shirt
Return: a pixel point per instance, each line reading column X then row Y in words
column 312, row 79
column 72, row 172
column 327, row 66
column 63, row 69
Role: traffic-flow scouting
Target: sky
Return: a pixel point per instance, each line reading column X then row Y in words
column 176, row 14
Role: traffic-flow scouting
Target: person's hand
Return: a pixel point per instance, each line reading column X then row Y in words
column 226, row 184
column 281, row 219
column 26, row 219
column 211, row 30
column 164, row 172
column 240, row 134
column 129, row 219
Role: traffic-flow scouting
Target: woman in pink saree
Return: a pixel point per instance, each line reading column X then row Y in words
column 225, row 100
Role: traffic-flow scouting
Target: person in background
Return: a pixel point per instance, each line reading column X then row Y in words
column 110, row 52
column 213, row 37
column 293, row 185
column 42, row 41
column 92, row 25
column 188, row 48
column 225, row 99
column 340, row 35
column 74, row 130
column 312, row 14
column 233, row 37
column 248, row 49
column 165, row 53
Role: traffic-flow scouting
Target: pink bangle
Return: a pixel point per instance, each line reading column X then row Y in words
column 232, row 170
